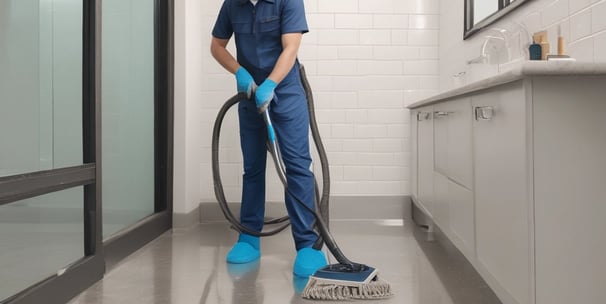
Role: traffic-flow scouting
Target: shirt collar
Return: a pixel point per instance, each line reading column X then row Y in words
column 245, row 1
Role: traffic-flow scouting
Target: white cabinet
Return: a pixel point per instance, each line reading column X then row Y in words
column 501, row 189
column 518, row 184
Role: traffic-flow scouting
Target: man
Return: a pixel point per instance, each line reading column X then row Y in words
column 268, row 34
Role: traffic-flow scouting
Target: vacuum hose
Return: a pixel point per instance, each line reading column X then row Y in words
column 321, row 203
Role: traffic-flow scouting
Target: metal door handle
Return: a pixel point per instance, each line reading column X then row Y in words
column 438, row 114
column 423, row 116
column 484, row 113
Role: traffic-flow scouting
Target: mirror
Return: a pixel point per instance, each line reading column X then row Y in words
column 481, row 13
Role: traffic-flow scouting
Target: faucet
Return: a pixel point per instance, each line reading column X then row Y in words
column 496, row 40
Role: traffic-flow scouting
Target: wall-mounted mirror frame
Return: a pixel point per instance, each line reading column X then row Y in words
column 473, row 26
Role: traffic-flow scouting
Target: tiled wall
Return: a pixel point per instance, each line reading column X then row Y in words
column 365, row 60
column 583, row 24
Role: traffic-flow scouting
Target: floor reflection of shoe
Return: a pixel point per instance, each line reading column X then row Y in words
column 243, row 270
column 299, row 283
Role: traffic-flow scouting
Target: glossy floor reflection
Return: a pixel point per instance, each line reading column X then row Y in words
column 188, row 266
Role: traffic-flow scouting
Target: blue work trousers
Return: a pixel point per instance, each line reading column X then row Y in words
column 290, row 118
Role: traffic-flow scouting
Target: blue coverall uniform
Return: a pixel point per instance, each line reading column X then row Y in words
column 257, row 30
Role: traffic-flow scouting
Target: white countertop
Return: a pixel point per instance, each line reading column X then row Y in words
column 525, row 69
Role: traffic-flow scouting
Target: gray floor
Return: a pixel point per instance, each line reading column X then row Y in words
column 188, row 266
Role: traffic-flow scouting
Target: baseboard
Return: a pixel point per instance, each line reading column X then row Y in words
column 341, row 208
column 185, row 220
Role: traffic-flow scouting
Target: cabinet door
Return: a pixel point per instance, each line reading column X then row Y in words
column 460, row 159
column 501, row 190
column 425, row 155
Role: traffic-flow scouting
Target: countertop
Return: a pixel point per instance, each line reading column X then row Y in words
column 519, row 71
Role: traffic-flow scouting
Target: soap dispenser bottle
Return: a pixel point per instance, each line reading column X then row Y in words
column 534, row 50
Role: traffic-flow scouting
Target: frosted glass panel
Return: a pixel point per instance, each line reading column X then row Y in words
column 128, row 113
column 38, row 237
column 40, row 85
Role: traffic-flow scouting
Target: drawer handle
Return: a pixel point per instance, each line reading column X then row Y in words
column 438, row 114
column 484, row 113
column 423, row 116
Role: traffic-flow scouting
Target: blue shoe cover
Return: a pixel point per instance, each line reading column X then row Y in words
column 245, row 250
column 308, row 261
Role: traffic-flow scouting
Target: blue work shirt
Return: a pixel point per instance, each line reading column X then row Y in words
column 258, row 31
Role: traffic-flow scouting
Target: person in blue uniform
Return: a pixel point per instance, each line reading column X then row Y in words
column 267, row 35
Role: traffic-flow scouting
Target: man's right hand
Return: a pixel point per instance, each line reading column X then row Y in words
column 246, row 84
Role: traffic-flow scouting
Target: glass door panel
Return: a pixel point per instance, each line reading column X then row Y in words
column 39, row 237
column 127, row 113
column 40, row 85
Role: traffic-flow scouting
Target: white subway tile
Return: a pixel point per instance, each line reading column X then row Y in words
column 423, row 37
column 338, row 37
column 354, row 52
column 358, row 116
column 375, row 37
column 395, row 52
column 423, row 6
column 320, row 21
column 381, row 99
column 400, row 131
column 379, row 67
column 429, row 52
column 353, row 21
column 424, row 22
column 337, row 68
column 342, row 131
column 600, row 47
column 357, row 173
column 582, row 50
column 357, row 145
column 421, row 67
column 429, row 82
column 338, row 6
column 376, row 158
column 399, row 37
column 376, row 6
column 370, row 131
column 390, row 21
column 311, row 6
column 321, row 83
column 332, row 116
column 578, row 5
column 344, row 102
column 331, row 145
column 389, row 173
column 343, row 158
column 598, row 13
column 580, row 25
column 555, row 12
column 327, row 52
column 388, row 145
column 386, row 116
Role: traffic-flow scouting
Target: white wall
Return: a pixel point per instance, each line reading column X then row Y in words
column 583, row 24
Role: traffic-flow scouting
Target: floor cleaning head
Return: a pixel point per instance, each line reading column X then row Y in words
column 342, row 282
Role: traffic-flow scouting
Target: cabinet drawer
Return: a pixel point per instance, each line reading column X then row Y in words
column 452, row 140
column 460, row 157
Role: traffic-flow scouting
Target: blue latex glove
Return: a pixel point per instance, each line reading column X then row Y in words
column 245, row 81
column 265, row 94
